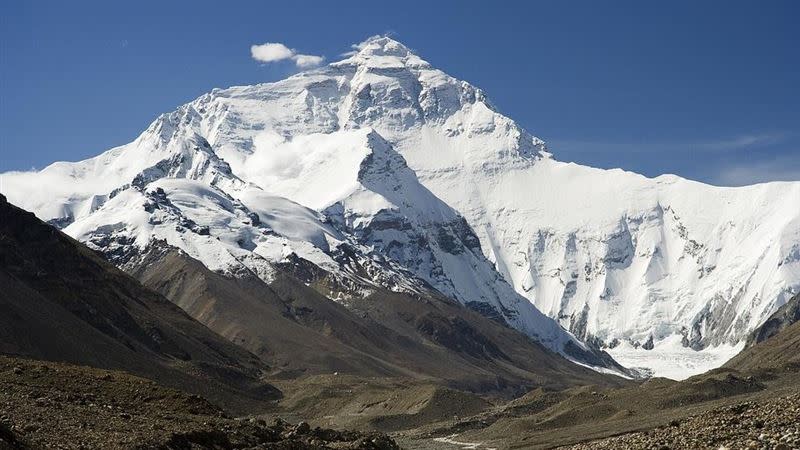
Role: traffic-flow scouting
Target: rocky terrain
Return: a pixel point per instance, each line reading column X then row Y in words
column 768, row 425
column 60, row 406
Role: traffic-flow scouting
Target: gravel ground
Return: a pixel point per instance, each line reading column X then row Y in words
column 769, row 425
column 59, row 406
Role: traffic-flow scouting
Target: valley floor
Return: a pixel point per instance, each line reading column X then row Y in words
column 47, row 405
column 723, row 408
column 720, row 410
column 52, row 405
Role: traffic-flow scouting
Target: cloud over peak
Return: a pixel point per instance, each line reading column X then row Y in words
column 304, row 61
column 270, row 52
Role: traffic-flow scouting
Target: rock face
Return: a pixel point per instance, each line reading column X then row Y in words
column 783, row 318
column 773, row 346
column 384, row 171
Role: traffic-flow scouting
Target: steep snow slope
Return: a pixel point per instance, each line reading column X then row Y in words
column 389, row 151
column 664, row 263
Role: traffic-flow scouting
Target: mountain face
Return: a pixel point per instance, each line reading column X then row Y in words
column 772, row 347
column 382, row 172
column 783, row 318
column 62, row 302
column 300, row 332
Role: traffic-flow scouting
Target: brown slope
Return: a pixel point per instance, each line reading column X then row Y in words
column 297, row 330
column 500, row 358
column 60, row 301
column 386, row 334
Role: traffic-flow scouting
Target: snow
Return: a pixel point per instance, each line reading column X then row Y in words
column 219, row 250
column 425, row 179
column 287, row 167
column 450, row 440
column 289, row 219
column 673, row 359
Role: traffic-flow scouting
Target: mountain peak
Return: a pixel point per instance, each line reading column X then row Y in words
column 383, row 52
column 382, row 45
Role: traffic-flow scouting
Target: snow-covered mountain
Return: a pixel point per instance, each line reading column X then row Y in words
column 382, row 170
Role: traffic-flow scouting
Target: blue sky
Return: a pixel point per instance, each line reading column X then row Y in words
column 709, row 90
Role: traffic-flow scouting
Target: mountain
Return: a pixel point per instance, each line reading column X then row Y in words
column 62, row 302
column 386, row 173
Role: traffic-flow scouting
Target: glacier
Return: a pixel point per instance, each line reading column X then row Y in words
column 385, row 171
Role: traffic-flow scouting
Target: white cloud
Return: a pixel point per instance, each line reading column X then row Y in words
column 304, row 61
column 48, row 190
column 275, row 51
column 271, row 52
